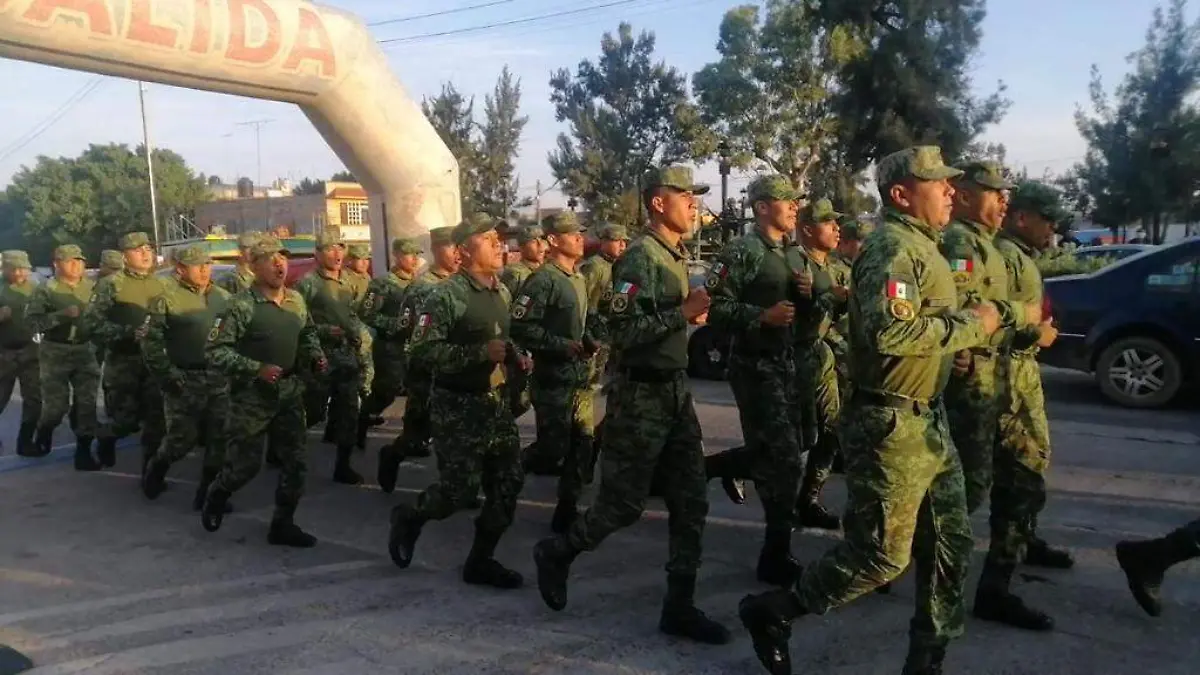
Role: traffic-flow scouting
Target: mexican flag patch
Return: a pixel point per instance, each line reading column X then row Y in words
column 897, row 289
column 962, row 265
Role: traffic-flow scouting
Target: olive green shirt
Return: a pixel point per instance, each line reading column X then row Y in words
column 180, row 320
column 383, row 307
column 751, row 274
column 646, row 322
column 980, row 274
column 45, row 312
column 15, row 331
column 454, row 325
column 548, row 315
column 1025, row 286
column 255, row 331
column 238, row 279
column 515, row 274
column 119, row 307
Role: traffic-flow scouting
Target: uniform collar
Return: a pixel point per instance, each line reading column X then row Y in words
column 135, row 275
column 1018, row 242
column 494, row 287
column 913, row 224
column 565, row 272
column 978, row 228
column 324, row 274
column 770, row 243
column 676, row 251
column 401, row 276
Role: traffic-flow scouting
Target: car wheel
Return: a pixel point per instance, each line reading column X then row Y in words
column 1139, row 372
column 706, row 358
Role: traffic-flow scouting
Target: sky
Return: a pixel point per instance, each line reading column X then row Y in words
column 1041, row 49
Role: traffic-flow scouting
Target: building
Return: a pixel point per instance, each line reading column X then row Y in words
column 343, row 205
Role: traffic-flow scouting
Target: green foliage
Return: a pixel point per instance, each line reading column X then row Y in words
column 626, row 113
column 343, row 177
column 497, row 147
column 308, row 186
column 92, row 199
column 453, row 116
column 1058, row 262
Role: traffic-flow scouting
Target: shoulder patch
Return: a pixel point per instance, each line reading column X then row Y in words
column 423, row 323
column 716, row 276
column 521, row 306
column 216, row 330
column 622, row 296
column 369, row 301
column 898, row 290
column 962, row 268
column 406, row 317
column 902, row 309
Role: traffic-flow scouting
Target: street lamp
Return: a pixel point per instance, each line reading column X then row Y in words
column 572, row 203
column 723, row 165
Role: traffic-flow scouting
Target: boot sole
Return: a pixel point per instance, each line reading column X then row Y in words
column 1130, row 569
column 762, row 635
column 540, row 560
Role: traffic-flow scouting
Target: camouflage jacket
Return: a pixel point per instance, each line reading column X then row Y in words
column 239, row 279
column 331, row 304
column 751, row 274
column 1024, row 286
column 839, row 269
column 119, row 307
column 514, row 275
column 645, row 320
column 980, row 273
column 549, row 314
column 415, row 295
column 454, row 323
column 383, row 306
column 47, row 303
column 180, row 319
column 597, row 277
column 254, row 331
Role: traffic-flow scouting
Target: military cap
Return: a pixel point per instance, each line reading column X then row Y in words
column 532, row 232
column 819, row 211
column 677, row 176
column 406, row 246
column 564, row 223
column 614, row 233
column 68, row 252
column 131, row 240
column 987, row 173
column 854, row 229
column 441, row 235
column 330, row 236
column 923, row 162
column 1039, row 198
column 192, row 255
column 360, row 251
column 477, row 223
column 267, row 245
column 775, row 187
column 112, row 260
column 247, row 239
column 16, row 259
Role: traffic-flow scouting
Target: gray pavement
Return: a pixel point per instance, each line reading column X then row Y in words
column 93, row 579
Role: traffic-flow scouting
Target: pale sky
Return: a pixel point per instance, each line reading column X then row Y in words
column 1042, row 49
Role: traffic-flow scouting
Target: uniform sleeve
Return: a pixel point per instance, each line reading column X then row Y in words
column 598, row 294
column 310, row 341
column 1025, row 336
column 637, row 317
column 154, row 344
column 430, row 344
column 37, row 312
column 887, row 290
column 969, row 268
column 528, row 313
column 220, row 350
column 372, row 303
column 94, row 321
column 734, row 270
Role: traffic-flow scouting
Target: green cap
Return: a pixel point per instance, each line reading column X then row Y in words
column 987, row 173
column 564, row 223
column 477, row 223
column 112, row 260
column 775, row 187
column 923, row 162
column 532, row 232
column 360, row 251
column 1037, row 197
column 16, row 259
column 131, row 240
column 330, row 236
column 854, row 229
column 677, row 176
column 406, row 246
column 819, row 211
column 192, row 255
column 614, row 233
column 267, row 245
column 68, row 252
column 247, row 239
column 441, row 235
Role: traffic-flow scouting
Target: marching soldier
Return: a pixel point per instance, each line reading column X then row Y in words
column 357, row 271
column 597, row 273
column 262, row 340
column 532, row 241
column 18, row 351
column 241, row 277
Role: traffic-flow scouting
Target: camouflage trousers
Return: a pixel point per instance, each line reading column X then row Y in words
column 389, row 377
column 417, row 431
column 1022, row 457
column 765, row 391
column 21, row 365
column 651, row 422
column 820, row 409
column 200, row 403
column 339, row 390
column 273, row 413
column 565, row 420
column 906, row 500
column 366, row 360
column 133, row 399
column 69, row 372
column 599, row 366
column 477, row 445
column 973, row 403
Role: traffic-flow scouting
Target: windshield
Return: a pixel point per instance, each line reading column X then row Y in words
column 1141, row 255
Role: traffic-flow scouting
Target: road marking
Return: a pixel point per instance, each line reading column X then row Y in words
column 58, row 455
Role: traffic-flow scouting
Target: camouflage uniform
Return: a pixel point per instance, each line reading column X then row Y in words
column 241, row 277
column 515, row 274
column 360, row 283
column 905, row 484
column 18, row 351
column 195, row 397
column 111, row 262
column 253, row 332
column 69, row 374
column 132, row 398
column 383, row 310
column 752, row 274
column 597, row 274
column 549, row 315
column 473, row 427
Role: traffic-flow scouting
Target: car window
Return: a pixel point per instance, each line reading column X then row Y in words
column 1177, row 277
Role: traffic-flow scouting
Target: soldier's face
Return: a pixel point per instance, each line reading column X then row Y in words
column 69, row 270
column 16, row 275
column 822, row 236
column 849, row 248
column 139, row 259
column 778, row 214
column 1037, row 230
column 271, row 270
column 359, row 265
column 569, row 245
column 676, row 209
column 931, row 201
column 408, row 262
column 195, row 275
column 981, row 204
column 331, row 257
column 446, row 257
column 533, row 251
column 483, row 252
column 613, row 249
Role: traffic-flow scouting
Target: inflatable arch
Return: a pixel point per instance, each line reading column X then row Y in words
column 322, row 59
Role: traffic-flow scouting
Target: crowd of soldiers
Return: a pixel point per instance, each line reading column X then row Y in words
column 907, row 353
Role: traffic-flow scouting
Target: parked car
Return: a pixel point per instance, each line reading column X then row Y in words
column 1114, row 251
column 1135, row 324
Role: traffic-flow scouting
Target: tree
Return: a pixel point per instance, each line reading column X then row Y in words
column 909, row 82
column 93, row 199
column 625, row 114
column 453, row 116
column 308, row 186
column 214, row 180
column 343, row 177
column 498, row 145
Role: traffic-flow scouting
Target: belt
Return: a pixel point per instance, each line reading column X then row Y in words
column 63, row 342
column 652, row 375
column 463, row 388
column 888, row 400
column 985, row 352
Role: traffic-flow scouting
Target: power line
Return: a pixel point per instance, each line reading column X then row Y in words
column 444, row 12
column 512, row 22
column 44, row 126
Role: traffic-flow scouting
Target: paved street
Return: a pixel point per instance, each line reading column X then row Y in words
column 93, row 579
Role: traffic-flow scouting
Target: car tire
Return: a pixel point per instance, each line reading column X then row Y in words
column 1154, row 369
column 706, row 358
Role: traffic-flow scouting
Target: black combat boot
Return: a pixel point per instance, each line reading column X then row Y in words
column 924, row 659
column 342, row 471
column 330, row 430
column 553, row 558
column 272, row 458
column 207, row 476
column 403, row 535
column 1041, row 554
column 768, row 619
column 25, row 438
column 995, row 602
column 360, row 436
column 154, row 478
column 482, row 569
column 728, row 465
column 776, row 566
column 43, row 443
column 106, row 450
column 13, row 661
column 1145, row 563
column 214, row 509
column 658, row 483
column 681, row 618
column 809, row 511
column 388, row 468
column 285, row 532
column 83, row 455
column 565, row 515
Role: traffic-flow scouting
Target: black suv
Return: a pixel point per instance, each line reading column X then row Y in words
column 1135, row 324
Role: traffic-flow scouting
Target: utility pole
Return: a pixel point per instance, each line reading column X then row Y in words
column 257, row 124
column 149, row 161
column 537, row 202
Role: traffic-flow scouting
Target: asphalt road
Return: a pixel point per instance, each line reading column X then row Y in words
column 93, row 579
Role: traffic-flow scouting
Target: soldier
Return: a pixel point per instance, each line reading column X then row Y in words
column 654, row 420
column 820, row 399
column 1022, row 451
column 195, row 397
column 114, row 320
column 331, row 299
column 357, row 271
column 462, row 335
column 18, row 351
column 904, row 478
column 68, row 364
column 413, row 440
column 852, row 233
column 241, row 277
column 597, row 273
column 754, row 300
column 383, row 310
column 262, row 340
column 111, row 262
column 1145, row 562
column 550, row 319
column 533, row 253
